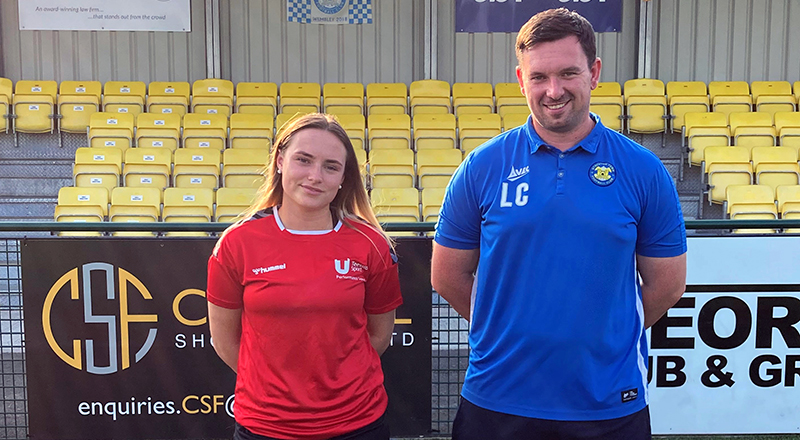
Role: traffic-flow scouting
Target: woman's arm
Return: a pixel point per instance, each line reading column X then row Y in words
column 226, row 333
column 380, row 328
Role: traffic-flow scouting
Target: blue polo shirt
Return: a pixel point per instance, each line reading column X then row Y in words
column 557, row 327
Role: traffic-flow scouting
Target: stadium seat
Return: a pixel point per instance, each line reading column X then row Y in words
column 796, row 91
column 343, row 98
column 775, row 166
column 435, row 167
column 251, row 130
column 233, row 201
column 429, row 96
column 387, row 98
column 607, row 102
column 34, row 106
column 513, row 120
column 244, row 167
column 789, row 204
column 703, row 130
column 81, row 205
column 509, row 99
column 475, row 129
column 97, row 167
column 188, row 205
column 6, row 95
column 124, row 97
column 684, row 97
column 387, row 131
column 147, row 167
column 205, row 131
column 212, row 96
column 284, row 118
column 752, row 129
column 168, row 97
column 726, row 166
column 135, row 205
column 646, row 106
column 257, row 97
column 300, row 98
column 431, row 203
column 787, row 125
column 196, row 168
column 111, row 130
column 434, row 131
column 730, row 96
column 773, row 96
column 751, row 202
column 158, row 130
column 77, row 101
column 355, row 126
column 391, row 168
column 396, row 204
column 469, row 98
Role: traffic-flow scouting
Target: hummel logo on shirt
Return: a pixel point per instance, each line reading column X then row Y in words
column 260, row 270
column 516, row 173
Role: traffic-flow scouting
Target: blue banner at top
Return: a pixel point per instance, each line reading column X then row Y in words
column 510, row 15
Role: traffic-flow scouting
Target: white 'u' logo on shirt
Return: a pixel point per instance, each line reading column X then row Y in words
column 342, row 270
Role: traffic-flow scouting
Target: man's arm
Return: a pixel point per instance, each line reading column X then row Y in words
column 226, row 333
column 380, row 328
column 663, row 283
column 452, row 276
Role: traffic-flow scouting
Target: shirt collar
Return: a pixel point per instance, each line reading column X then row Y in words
column 589, row 143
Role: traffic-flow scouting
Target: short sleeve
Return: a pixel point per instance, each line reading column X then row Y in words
column 225, row 287
column 459, row 224
column 382, row 291
column 661, row 231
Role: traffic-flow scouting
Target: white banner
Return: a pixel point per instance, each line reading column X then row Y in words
column 726, row 359
column 105, row 15
column 329, row 11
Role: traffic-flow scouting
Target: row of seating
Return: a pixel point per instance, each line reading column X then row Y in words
column 761, row 202
column 724, row 166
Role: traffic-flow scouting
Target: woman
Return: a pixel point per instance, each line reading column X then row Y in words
column 302, row 293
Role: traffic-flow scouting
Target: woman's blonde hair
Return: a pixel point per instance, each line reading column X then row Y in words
column 351, row 204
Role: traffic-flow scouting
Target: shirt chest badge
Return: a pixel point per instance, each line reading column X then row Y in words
column 349, row 269
column 602, row 173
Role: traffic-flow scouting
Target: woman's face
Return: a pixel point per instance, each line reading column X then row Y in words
column 312, row 168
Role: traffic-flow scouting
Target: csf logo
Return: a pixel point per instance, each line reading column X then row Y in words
column 117, row 288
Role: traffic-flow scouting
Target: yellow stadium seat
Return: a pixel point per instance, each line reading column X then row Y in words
column 730, row 96
column 751, row 202
column 257, row 97
column 787, row 125
column 205, row 131
column 513, row 120
column 82, row 204
column 473, row 130
column 429, row 96
column 147, row 167
column 355, row 126
column 97, row 167
column 168, row 97
column 773, row 96
column 433, row 131
column 158, row 130
column 387, row 131
column 726, row 166
column 796, row 91
column 775, row 166
column 509, row 99
column 34, row 106
column 472, row 98
column 231, row 202
column 244, row 167
column 196, row 168
column 124, row 97
column 6, row 94
column 251, row 130
column 212, row 96
column 300, row 98
column 435, row 167
column 753, row 129
column 343, row 98
column 431, row 203
column 392, row 168
column 284, row 118
column 395, row 204
column 77, row 101
column 703, row 130
column 646, row 106
column 111, row 130
column 788, row 198
column 135, row 205
column 387, row 98
column 685, row 97
column 607, row 102
column 188, row 205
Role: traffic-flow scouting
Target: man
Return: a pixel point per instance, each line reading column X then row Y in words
column 559, row 217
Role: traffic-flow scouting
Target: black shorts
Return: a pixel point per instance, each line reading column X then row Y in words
column 475, row 423
column 377, row 430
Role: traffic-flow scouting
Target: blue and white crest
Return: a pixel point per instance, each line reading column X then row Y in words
column 330, row 6
column 602, row 173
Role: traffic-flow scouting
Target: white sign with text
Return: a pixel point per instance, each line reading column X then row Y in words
column 105, row 15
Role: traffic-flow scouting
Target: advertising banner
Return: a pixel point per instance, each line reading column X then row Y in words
column 329, row 11
column 118, row 344
column 105, row 15
column 510, row 15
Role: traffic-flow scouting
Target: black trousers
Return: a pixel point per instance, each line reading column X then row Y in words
column 377, row 430
column 475, row 423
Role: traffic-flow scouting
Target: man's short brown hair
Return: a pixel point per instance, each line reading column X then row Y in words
column 553, row 25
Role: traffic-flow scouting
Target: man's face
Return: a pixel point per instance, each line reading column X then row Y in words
column 557, row 82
